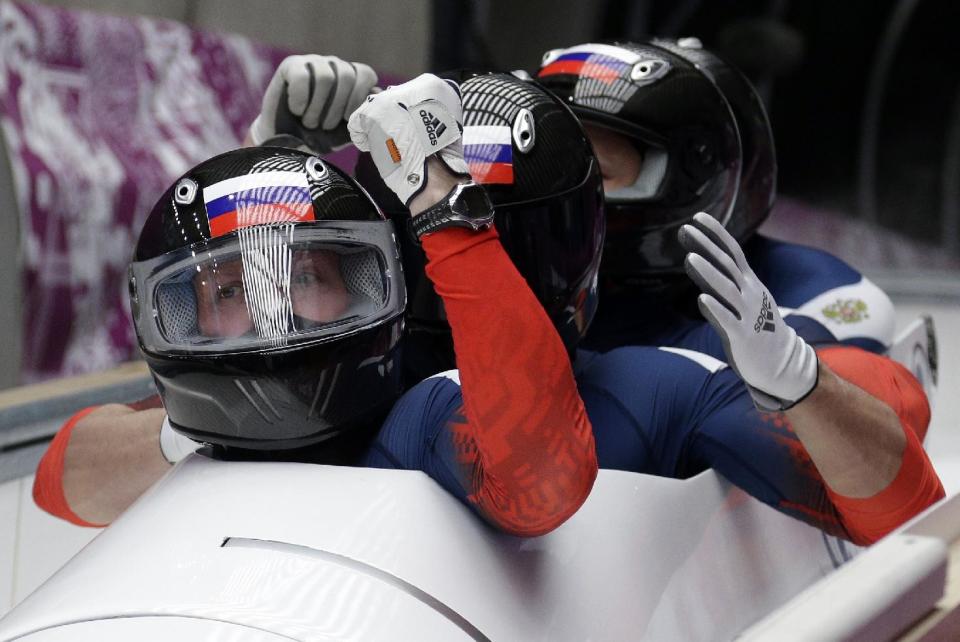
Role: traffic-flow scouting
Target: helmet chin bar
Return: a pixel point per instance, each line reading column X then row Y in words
column 648, row 183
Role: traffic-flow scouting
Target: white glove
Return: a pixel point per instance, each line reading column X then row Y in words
column 310, row 99
column 404, row 125
column 173, row 445
column 778, row 367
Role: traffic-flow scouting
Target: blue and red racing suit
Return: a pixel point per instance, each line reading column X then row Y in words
column 674, row 413
column 850, row 322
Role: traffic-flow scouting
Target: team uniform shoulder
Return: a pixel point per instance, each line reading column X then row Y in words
column 414, row 423
column 619, row 371
column 431, row 402
column 822, row 297
column 646, row 403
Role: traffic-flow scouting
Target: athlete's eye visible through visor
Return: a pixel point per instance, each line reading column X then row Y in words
column 267, row 286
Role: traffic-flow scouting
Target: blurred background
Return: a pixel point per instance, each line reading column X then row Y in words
column 103, row 102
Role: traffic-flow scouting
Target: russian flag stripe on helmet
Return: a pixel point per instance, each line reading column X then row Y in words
column 623, row 55
column 488, row 150
column 254, row 199
column 603, row 62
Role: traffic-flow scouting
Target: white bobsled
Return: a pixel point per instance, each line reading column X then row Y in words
column 281, row 551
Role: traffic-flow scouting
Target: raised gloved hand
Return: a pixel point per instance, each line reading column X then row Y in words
column 404, row 125
column 778, row 367
column 309, row 100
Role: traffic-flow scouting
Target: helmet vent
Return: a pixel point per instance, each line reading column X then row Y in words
column 524, row 133
column 263, row 398
column 648, row 70
column 185, row 191
column 324, row 391
column 315, row 168
column 550, row 56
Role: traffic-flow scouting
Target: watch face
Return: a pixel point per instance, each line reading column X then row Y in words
column 467, row 206
column 472, row 203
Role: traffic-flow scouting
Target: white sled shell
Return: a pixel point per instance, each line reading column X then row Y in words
column 309, row 552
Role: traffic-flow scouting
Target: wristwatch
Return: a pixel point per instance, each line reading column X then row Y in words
column 467, row 205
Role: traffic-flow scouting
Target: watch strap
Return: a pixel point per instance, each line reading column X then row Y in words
column 442, row 215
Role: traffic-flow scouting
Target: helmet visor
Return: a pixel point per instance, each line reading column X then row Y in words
column 269, row 286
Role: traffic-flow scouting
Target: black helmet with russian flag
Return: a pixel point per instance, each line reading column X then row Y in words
column 268, row 300
column 702, row 129
column 531, row 154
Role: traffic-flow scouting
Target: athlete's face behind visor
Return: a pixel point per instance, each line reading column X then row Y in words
column 269, row 286
column 620, row 159
column 317, row 293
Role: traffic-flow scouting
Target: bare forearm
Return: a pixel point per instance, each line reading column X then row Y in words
column 855, row 440
column 112, row 458
column 439, row 183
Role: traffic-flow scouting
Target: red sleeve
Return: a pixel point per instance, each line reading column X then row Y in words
column 524, row 438
column 48, row 483
column 916, row 485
